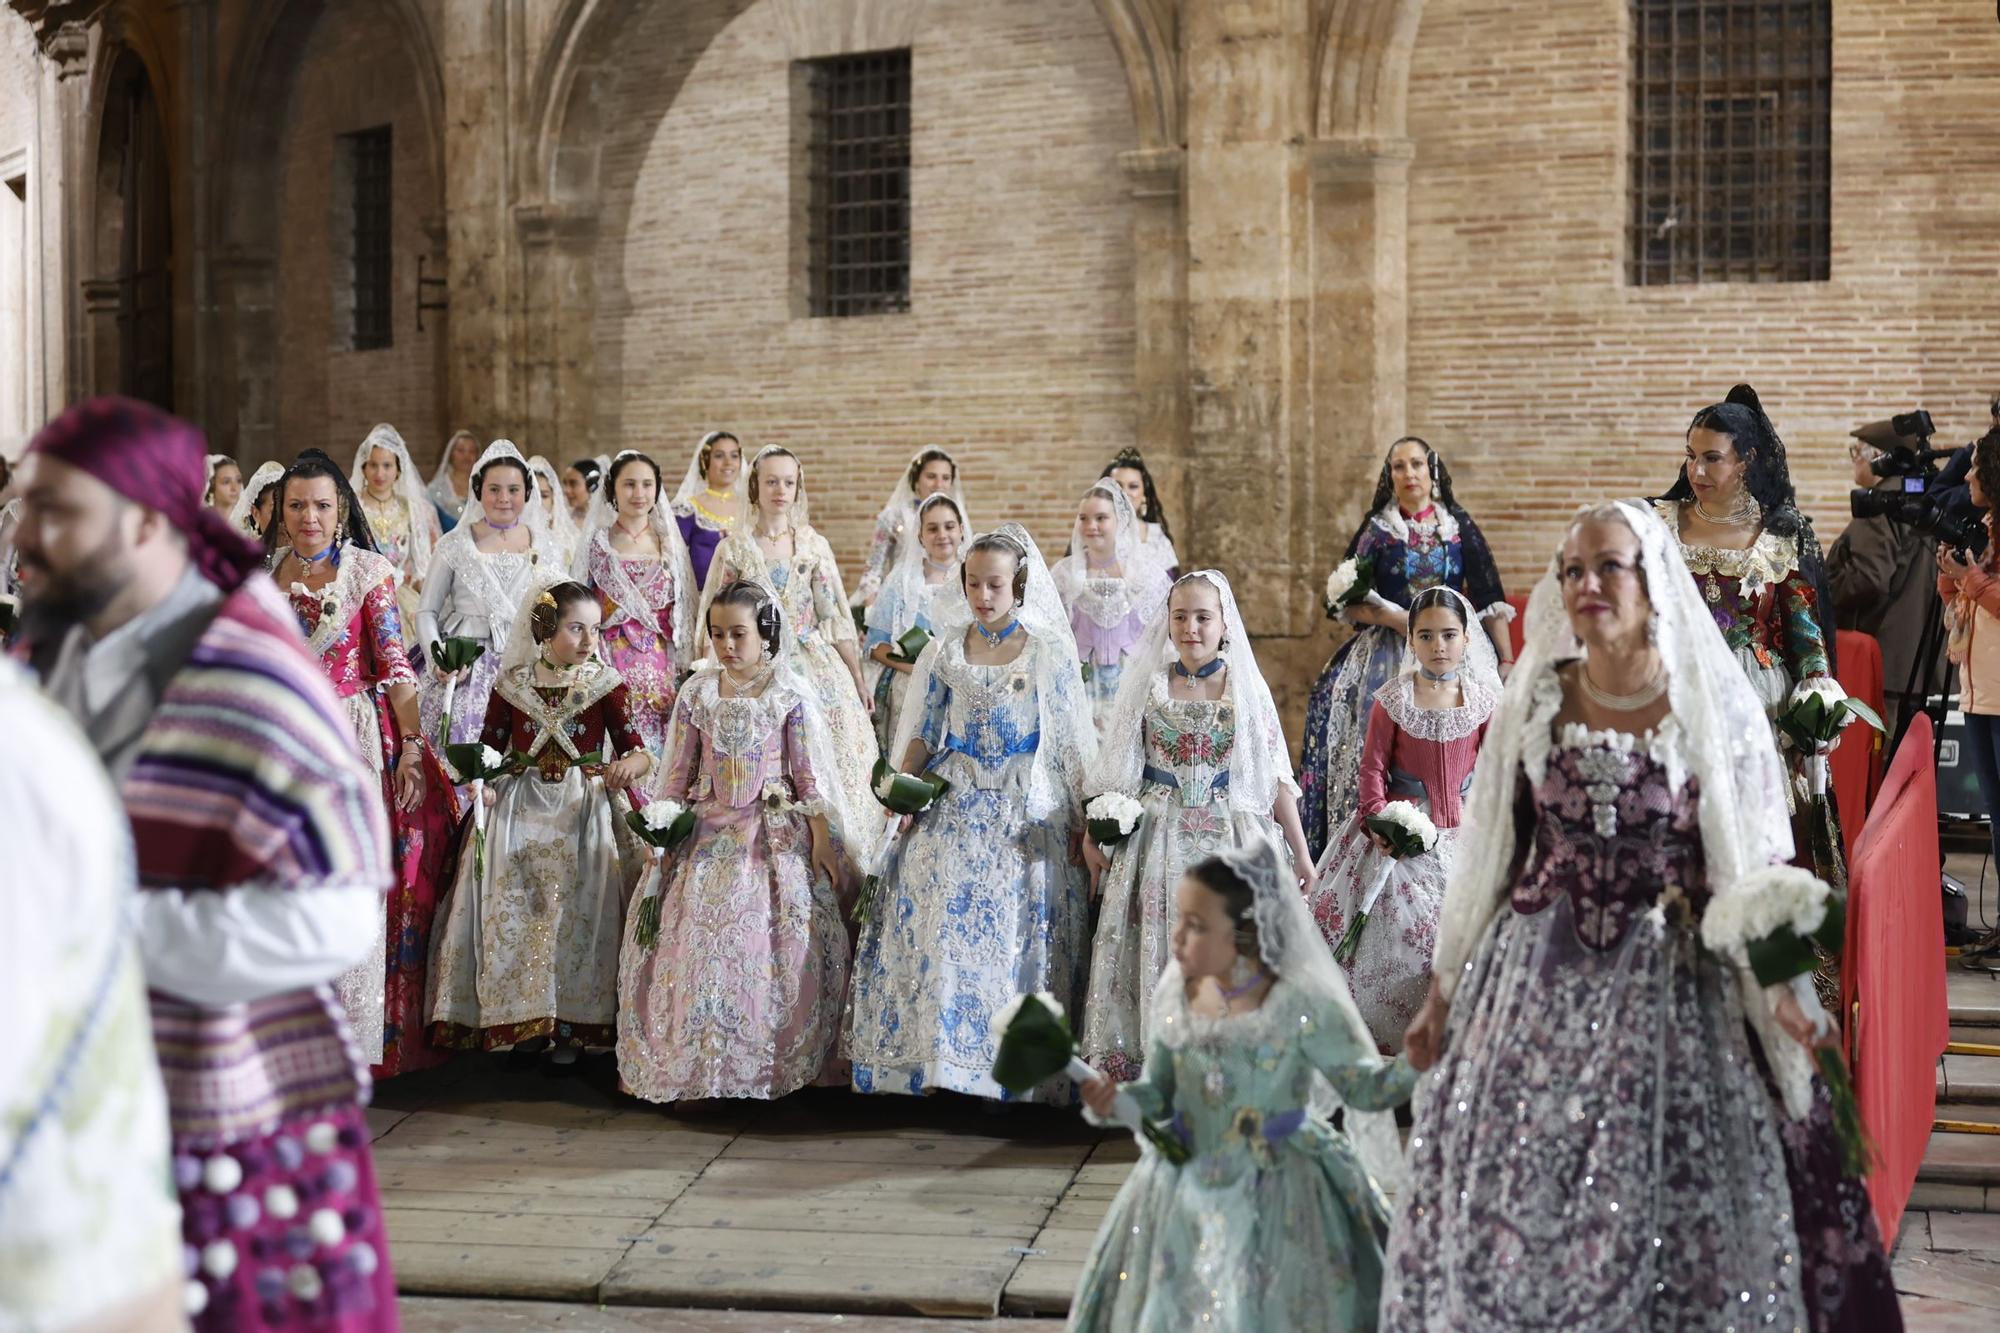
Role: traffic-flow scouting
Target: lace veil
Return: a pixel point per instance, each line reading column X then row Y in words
column 409, row 487
column 1142, row 584
column 532, row 513
column 1719, row 737
column 629, row 601
column 563, row 533
column 265, row 475
column 902, row 502
column 1068, row 744
column 1259, row 764
column 1478, row 679
column 693, row 482
column 1291, row 946
column 906, row 577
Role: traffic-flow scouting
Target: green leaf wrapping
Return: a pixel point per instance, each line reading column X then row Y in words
column 1402, row 842
column 1784, row 953
column 1035, row 1048
column 456, row 653
column 1106, row 833
column 915, row 639
column 672, row 835
column 908, row 793
column 646, row 922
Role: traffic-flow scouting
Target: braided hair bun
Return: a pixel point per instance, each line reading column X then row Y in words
column 545, row 616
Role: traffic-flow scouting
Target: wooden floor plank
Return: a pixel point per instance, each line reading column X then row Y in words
column 503, row 1228
column 475, row 1199
column 522, row 1272
column 503, row 1178
column 998, row 1217
column 900, row 1150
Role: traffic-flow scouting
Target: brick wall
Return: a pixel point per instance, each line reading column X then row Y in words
column 356, row 73
column 1017, row 354
column 1547, row 381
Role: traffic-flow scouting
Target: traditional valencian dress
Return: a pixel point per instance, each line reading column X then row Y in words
column 1273, row 1223
column 741, row 994
column 352, row 627
column 1424, row 756
column 1207, row 773
column 702, row 528
column 529, row 947
column 903, row 602
column 808, row 589
column 980, row 900
column 1618, row 1135
column 895, row 529
column 405, row 527
column 1408, row 553
column 1109, row 613
column 647, row 603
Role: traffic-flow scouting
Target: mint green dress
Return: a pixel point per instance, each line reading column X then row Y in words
column 1273, row 1223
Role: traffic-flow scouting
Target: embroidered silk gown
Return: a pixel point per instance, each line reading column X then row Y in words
column 703, row 530
column 639, row 640
column 353, row 628
column 741, row 994
column 980, row 903
column 470, row 594
column 396, row 540
column 1273, row 1223
column 1188, row 817
column 528, row 947
column 1108, row 617
column 1599, row 1148
column 888, row 620
column 1425, row 757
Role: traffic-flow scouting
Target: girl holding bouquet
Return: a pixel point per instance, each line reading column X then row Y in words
column 1415, row 536
column 526, row 946
column 1113, row 586
column 1195, row 739
column 984, row 896
column 734, row 968
column 1624, row 1129
column 1379, row 912
column 633, row 559
column 1276, row 1220
column 924, row 570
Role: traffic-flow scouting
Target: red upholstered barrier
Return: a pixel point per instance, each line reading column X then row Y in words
column 1893, row 1006
column 1518, row 626
column 1856, row 765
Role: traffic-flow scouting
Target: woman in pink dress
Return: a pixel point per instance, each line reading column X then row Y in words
column 344, row 594
column 737, row 990
column 633, row 558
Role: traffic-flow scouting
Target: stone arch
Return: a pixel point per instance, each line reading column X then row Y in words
column 1361, row 68
column 261, row 71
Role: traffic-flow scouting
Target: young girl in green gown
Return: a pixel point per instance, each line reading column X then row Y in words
column 1277, row 1219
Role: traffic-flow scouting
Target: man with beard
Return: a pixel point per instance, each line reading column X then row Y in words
column 262, row 857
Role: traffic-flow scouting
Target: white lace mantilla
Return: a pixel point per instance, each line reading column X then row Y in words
column 1399, row 700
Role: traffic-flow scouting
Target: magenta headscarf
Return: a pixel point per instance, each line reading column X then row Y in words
column 159, row 461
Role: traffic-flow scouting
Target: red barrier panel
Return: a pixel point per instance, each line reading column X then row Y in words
column 1892, row 994
column 1856, row 763
column 1517, row 628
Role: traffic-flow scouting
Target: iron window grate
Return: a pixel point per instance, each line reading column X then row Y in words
column 859, row 169
column 368, row 153
column 1731, row 155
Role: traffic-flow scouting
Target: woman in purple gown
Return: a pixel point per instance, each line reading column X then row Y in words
column 710, row 502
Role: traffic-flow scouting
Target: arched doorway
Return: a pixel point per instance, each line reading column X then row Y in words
column 134, row 249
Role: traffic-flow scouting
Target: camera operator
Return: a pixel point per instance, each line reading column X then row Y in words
column 1971, row 589
column 1882, row 573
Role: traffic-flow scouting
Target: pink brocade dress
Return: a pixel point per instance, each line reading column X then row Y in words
column 354, row 627
column 741, row 995
column 640, row 644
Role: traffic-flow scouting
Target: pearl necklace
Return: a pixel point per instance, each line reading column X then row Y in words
column 1746, row 509
column 1642, row 697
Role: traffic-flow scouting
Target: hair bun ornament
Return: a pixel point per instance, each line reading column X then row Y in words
column 547, row 599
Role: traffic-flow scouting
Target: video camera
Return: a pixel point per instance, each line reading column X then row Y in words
column 1905, row 444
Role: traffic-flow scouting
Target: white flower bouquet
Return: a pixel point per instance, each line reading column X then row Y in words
column 1770, row 922
column 1351, row 581
column 1112, row 817
column 1409, row 832
column 477, row 764
column 1033, row 1044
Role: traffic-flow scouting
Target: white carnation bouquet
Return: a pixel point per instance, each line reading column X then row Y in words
column 1112, row 817
column 1351, row 581
column 1775, row 922
column 1409, row 832
column 1033, row 1043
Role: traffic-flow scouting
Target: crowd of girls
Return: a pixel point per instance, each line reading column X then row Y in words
column 675, row 847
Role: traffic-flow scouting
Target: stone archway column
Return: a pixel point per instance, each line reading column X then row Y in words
column 68, row 49
column 1159, row 246
column 553, row 333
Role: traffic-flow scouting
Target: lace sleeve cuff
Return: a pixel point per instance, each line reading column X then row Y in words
column 1499, row 611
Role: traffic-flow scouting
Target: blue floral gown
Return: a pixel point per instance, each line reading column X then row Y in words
column 1273, row 1223
column 980, row 903
column 1409, row 555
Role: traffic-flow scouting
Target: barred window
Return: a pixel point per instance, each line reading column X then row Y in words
column 367, row 154
column 1731, row 155
column 858, row 239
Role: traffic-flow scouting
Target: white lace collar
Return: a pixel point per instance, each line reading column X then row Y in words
column 1398, row 698
column 1390, row 518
